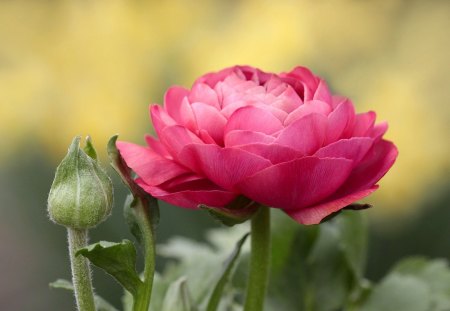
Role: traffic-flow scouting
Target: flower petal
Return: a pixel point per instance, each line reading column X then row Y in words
column 378, row 131
column 298, row 183
column 353, row 149
column 305, row 135
column 223, row 166
column 322, row 92
column 160, row 118
column 309, row 107
column 340, row 122
column 203, row 93
column 148, row 165
column 363, row 123
column 175, row 137
column 156, row 146
column 211, row 120
column 240, row 137
column 372, row 167
column 314, row 214
column 275, row 153
column 190, row 198
column 177, row 105
column 253, row 119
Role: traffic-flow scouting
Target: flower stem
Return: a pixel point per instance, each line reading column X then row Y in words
column 142, row 300
column 259, row 260
column 81, row 273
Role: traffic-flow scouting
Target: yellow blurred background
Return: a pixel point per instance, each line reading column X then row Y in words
column 92, row 67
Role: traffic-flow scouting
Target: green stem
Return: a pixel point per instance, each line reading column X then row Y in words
column 259, row 260
column 81, row 273
column 142, row 299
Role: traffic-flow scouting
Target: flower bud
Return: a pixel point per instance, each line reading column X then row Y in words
column 81, row 195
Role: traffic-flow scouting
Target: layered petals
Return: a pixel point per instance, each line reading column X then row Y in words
column 298, row 183
column 282, row 140
column 150, row 166
column 223, row 166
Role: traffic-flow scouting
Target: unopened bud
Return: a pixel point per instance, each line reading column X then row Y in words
column 81, row 195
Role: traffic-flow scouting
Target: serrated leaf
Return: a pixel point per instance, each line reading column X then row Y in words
column 100, row 303
column 117, row 259
column 216, row 294
column 177, row 297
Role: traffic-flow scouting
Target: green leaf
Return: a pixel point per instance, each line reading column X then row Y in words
column 177, row 297
column 399, row 292
column 353, row 240
column 434, row 273
column 117, row 259
column 131, row 218
column 327, row 274
column 216, row 294
column 100, row 303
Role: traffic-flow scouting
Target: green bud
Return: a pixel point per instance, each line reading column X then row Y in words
column 81, row 195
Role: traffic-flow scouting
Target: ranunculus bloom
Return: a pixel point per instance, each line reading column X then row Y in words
column 282, row 140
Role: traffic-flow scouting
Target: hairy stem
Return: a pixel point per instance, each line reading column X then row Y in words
column 81, row 273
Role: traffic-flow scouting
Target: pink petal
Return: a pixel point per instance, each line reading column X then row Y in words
column 177, row 106
column 176, row 137
column 203, row 93
column 322, row 92
column 206, row 137
column 364, row 123
column 305, row 75
column 253, row 119
column 353, row 149
column 148, row 165
column 372, row 167
column 160, row 118
column 309, row 107
column 378, row 131
column 190, row 198
column 314, row 214
column 298, row 183
column 288, row 101
column 340, row 122
column 223, row 166
column 275, row 153
column 305, row 135
column 210, row 120
column 240, row 137
column 156, row 146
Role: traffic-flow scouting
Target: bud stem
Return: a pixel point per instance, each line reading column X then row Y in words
column 81, row 272
column 259, row 260
column 142, row 301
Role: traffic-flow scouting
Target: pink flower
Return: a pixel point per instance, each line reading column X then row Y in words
column 282, row 140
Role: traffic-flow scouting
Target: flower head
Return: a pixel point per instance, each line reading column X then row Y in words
column 281, row 140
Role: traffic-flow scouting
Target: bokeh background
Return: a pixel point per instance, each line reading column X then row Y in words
column 93, row 67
